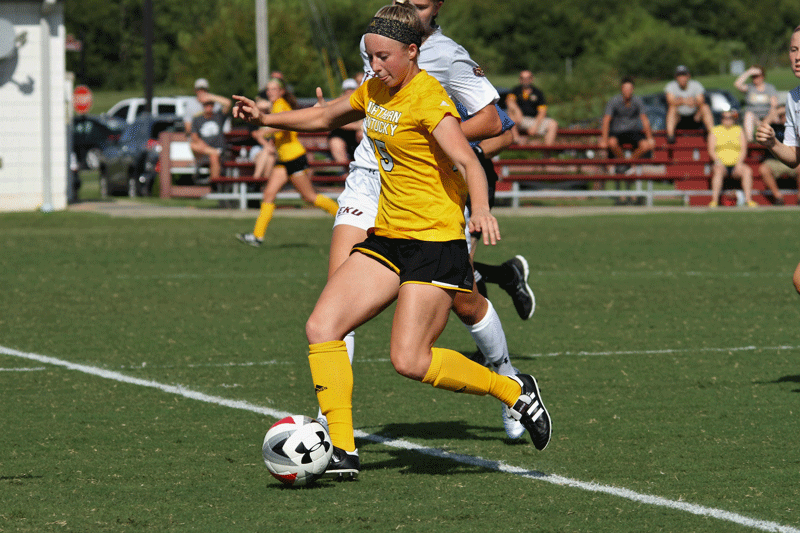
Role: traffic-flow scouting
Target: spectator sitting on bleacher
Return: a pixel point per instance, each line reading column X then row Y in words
column 207, row 139
column 625, row 123
column 728, row 150
column 195, row 107
column 342, row 142
column 528, row 109
column 760, row 99
column 773, row 168
column 686, row 104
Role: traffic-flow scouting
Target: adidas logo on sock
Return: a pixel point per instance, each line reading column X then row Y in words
column 319, row 388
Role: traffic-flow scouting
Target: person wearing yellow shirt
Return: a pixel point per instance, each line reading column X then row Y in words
column 416, row 253
column 291, row 165
column 727, row 147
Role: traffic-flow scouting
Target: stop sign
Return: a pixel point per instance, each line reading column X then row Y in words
column 82, row 99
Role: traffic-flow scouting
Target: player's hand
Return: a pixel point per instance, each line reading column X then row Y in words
column 483, row 222
column 246, row 110
column 320, row 99
column 765, row 135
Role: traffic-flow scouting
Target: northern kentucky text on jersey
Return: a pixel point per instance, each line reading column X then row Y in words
column 381, row 120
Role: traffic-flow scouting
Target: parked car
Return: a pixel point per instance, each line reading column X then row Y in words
column 130, row 164
column 130, row 108
column 91, row 134
column 720, row 101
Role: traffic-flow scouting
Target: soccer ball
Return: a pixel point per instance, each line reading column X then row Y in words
column 297, row 450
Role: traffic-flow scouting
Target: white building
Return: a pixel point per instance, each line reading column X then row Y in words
column 33, row 106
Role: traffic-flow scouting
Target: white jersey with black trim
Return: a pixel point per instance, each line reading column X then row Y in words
column 791, row 135
column 451, row 65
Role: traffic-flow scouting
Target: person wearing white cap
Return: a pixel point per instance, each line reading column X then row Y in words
column 686, row 104
column 195, row 107
column 342, row 142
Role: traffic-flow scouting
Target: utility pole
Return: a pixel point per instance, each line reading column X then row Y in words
column 262, row 42
column 147, row 15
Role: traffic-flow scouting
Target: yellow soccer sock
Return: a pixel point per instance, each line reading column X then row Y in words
column 326, row 204
column 264, row 218
column 452, row 371
column 333, row 382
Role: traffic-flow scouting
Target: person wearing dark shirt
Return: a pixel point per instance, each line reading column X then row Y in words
column 625, row 123
column 527, row 107
column 207, row 140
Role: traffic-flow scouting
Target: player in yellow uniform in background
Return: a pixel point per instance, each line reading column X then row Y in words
column 416, row 254
column 292, row 164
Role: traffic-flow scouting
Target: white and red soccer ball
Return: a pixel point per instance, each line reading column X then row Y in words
column 297, row 450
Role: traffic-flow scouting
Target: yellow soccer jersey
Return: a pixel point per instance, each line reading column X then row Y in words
column 729, row 144
column 422, row 195
column 286, row 142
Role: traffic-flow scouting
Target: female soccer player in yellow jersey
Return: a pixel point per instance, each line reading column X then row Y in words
column 416, row 253
column 463, row 80
column 292, row 165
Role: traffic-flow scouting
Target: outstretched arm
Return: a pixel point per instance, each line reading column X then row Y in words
column 314, row 119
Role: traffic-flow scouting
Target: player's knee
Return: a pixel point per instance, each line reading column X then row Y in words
column 409, row 366
column 319, row 330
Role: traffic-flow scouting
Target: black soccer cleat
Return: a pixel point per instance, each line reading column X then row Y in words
column 531, row 412
column 518, row 288
column 344, row 466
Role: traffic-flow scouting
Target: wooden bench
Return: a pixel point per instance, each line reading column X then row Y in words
column 526, row 171
column 176, row 159
column 686, row 164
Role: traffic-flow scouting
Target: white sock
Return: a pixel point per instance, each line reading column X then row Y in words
column 490, row 338
column 350, row 344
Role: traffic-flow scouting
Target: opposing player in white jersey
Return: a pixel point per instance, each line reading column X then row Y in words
column 787, row 151
column 464, row 81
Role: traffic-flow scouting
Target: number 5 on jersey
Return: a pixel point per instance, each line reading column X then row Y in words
column 379, row 147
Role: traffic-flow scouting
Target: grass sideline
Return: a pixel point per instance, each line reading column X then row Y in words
column 665, row 345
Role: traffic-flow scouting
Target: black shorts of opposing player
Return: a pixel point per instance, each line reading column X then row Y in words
column 294, row 166
column 349, row 138
column 443, row 264
column 491, row 175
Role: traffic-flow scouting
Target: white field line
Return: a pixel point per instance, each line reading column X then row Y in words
column 34, row 369
column 663, row 274
column 498, row 466
column 667, row 351
column 272, row 362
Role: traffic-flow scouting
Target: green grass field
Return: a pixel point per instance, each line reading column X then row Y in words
column 142, row 361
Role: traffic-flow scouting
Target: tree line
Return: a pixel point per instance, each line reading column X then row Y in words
column 312, row 41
